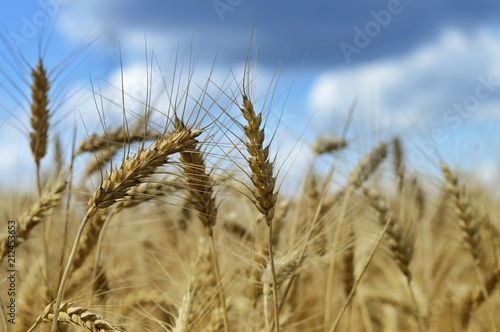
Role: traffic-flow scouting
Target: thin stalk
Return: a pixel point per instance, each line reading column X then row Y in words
column 333, row 260
column 358, row 281
column 266, row 312
column 38, row 180
column 68, row 203
column 100, row 241
column 273, row 272
column 222, row 296
column 60, row 292
column 422, row 326
column 482, row 284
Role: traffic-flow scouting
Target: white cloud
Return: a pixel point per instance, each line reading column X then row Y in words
column 425, row 82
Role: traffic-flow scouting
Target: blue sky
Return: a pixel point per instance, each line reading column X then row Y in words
column 428, row 70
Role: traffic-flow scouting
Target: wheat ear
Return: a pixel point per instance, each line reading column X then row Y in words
column 39, row 116
column 285, row 267
column 401, row 244
column 399, row 166
column 469, row 224
column 37, row 214
column 118, row 181
column 77, row 316
column 264, row 182
column 477, row 297
column 466, row 220
column 117, row 137
column 328, row 144
column 202, row 199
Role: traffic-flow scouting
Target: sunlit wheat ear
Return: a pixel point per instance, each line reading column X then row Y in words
column 101, row 284
column 118, row 181
column 200, row 186
column 367, row 166
column 399, row 166
column 100, row 159
column 264, row 182
column 254, row 287
column 185, row 315
column 107, row 145
column 400, row 244
column 36, row 215
column 262, row 169
column 76, row 316
column 273, row 277
column 286, row 266
column 328, row 144
column 467, row 221
column 58, row 155
column 147, row 191
column 39, row 112
column 319, row 236
column 216, row 323
column 207, row 283
column 118, row 137
column 419, row 196
column 202, row 198
column 477, row 297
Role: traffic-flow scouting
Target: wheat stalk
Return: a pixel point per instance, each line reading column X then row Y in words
column 366, row 167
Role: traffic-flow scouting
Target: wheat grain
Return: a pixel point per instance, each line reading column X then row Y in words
column 77, row 316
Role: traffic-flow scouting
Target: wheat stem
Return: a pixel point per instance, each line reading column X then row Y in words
column 220, row 289
column 62, row 285
column 358, row 281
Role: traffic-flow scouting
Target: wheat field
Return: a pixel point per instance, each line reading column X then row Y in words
column 185, row 224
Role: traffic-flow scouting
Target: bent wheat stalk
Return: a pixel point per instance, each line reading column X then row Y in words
column 115, row 185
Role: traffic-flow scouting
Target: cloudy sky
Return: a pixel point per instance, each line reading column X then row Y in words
column 425, row 70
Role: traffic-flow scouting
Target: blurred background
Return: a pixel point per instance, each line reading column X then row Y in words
column 426, row 71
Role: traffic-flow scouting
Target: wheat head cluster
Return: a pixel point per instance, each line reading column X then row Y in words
column 183, row 225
